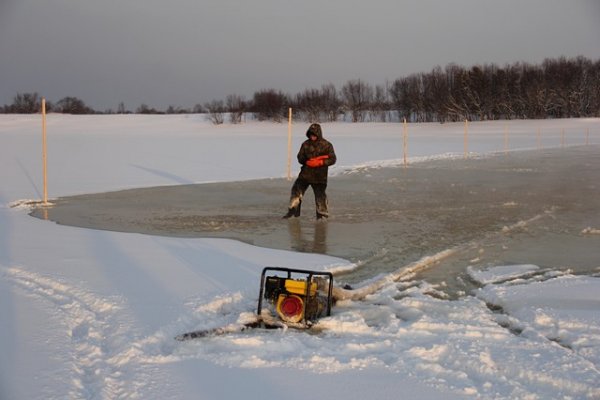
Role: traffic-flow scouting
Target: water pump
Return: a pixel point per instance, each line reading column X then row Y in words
column 297, row 297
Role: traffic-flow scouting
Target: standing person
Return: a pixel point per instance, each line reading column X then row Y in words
column 316, row 155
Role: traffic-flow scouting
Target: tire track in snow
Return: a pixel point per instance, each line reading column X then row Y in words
column 100, row 334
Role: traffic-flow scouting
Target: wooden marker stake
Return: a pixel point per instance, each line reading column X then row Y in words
column 289, row 161
column 405, row 134
column 44, row 152
column 466, row 138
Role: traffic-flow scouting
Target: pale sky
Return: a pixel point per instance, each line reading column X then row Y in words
column 184, row 52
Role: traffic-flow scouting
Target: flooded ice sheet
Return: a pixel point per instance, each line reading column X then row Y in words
column 537, row 207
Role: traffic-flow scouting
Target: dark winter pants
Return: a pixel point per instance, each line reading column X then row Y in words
column 298, row 190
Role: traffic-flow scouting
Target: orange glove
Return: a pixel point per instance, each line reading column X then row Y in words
column 317, row 161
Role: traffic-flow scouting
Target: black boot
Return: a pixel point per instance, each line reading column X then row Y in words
column 293, row 212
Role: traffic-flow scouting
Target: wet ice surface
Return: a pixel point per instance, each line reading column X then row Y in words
column 536, row 207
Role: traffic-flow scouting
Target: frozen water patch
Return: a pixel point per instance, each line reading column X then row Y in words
column 523, row 207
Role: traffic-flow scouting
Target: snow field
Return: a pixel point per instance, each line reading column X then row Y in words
column 89, row 314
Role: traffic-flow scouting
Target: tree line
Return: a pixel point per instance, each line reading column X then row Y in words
column 556, row 88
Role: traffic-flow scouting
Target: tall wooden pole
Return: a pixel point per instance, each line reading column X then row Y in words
column 44, row 151
column 405, row 134
column 466, row 138
column 289, row 161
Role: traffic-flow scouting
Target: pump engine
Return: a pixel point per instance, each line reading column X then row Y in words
column 298, row 297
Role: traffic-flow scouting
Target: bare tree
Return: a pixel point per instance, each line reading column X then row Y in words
column 436, row 94
column 270, row 104
column 236, row 106
column 121, row 109
column 176, row 110
column 72, row 105
column 357, row 97
column 25, row 103
column 216, row 111
column 399, row 98
column 380, row 104
column 310, row 104
column 331, row 102
column 407, row 97
column 145, row 109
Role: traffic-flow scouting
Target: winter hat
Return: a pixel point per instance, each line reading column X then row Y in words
column 314, row 129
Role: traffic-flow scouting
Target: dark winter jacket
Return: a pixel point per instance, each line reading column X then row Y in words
column 310, row 149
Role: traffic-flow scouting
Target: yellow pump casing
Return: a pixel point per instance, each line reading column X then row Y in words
column 299, row 287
